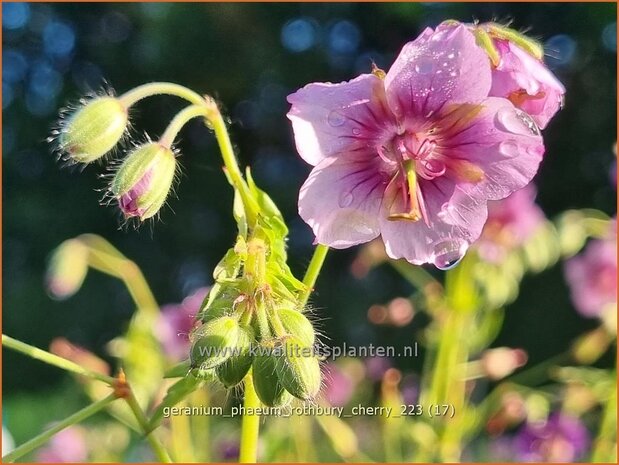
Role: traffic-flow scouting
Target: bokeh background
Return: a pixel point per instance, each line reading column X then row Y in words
column 250, row 56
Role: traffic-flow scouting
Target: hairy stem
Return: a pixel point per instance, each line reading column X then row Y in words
column 605, row 442
column 313, row 270
column 160, row 88
column 46, row 435
column 250, row 425
column 51, row 359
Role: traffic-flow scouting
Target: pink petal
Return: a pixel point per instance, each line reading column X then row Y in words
column 455, row 221
column 437, row 69
column 504, row 143
column 341, row 200
column 329, row 119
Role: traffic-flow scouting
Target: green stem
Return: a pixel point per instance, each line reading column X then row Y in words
column 159, row 88
column 607, row 436
column 415, row 275
column 313, row 270
column 51, row 359
column 250, row 425
column 46, row 435
column 180, row 120
column 158, row 449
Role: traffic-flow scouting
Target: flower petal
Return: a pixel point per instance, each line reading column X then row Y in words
column 436, row 69
column 341, row 200
column 454, row 220
column 496, row 153
column 329, row 119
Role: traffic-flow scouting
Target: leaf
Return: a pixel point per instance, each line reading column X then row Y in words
column 176, row 393
column 179, row 370
column 228, row 267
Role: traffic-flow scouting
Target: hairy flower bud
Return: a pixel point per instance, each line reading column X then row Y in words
column 94, row 129
column 67, row 268
column 268, row 388
column 298, row 369
column 143, row 181
column 233, row 370
column 297, row 325
column 214, row 343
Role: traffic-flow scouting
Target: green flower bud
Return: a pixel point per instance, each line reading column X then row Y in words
column 94, row 129
column 233, row 370
column 67, row 268
column 143, row 181
column 297, row 325
column 298, row 369
column 214, row 342
column 270, row 391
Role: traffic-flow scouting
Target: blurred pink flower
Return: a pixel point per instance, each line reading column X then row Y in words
column 526, row 82
column 339, row 386
column 176, row 322
column 592, row 276
column 69, row 445
column 511, row 222
column 413, row 155
column 376, row 367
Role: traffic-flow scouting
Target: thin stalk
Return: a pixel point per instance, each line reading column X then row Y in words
column 250, row 426
column 180, row 120
column 69, row 421
column 607, row 436
column 51, row 359
column 160, row 88
column 313, row 270
column 158, row 449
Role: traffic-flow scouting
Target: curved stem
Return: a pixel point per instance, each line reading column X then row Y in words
column 159, row 88
column 313, row 270
column 158, row 449
column 184, row 116
column 46, row 435
column 251, row 424
column 51, row 359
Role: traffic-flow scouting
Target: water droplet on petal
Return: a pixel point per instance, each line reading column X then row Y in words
column 336, row 119
column 356, row 131
column 435, row 167
column 454, row 73
column 509, row 148
column 346, row 199
column 424, row 66
column 517, row 122
column 448, row 253
column 561, row 101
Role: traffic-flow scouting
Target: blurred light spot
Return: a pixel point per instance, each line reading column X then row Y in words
column 277, row 168
column 44, row 80
column 42, row 14
column 58, row 39
column 560, row 50
column 15, row 15
column 14, row 66
column 87, row 76
column 192, row 275
column 116, row 27
column 7, row 94
column 40, row 104
column 609, row 37
column 155, row 10
column 298, row 35
column 344, row 37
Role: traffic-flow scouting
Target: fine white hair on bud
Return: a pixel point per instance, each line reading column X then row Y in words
column 86, row 133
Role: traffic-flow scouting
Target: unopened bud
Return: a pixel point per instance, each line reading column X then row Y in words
column 297, row 325
column 144, row 180
column 502, row 361
column 94, row 129
column 268, row 388
column 214, row 343
column 233, row 370
column 67, row 268
column 298, row 369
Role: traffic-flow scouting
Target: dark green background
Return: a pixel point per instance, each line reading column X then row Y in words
column 235, row 52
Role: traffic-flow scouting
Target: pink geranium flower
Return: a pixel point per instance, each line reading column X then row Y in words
column 592, row 277
column 412, row 155
column 527, row 82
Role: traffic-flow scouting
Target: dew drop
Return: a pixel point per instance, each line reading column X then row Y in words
column 346, row 199
column 336, row 119
column 424, row 66
column 509, row 148
column 435, row 167
column 517, row 122
column 356, row 131
column 448, row 253
column 561, row 102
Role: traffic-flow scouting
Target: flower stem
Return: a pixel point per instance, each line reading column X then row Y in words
column 46, row 435
column 313, row 270
column 160, row 88
column 606, row 438
column 180, row 120
column 158, row 449
column 251, row 424
column 51, row 359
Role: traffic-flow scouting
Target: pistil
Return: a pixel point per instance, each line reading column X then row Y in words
column 414, row 213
